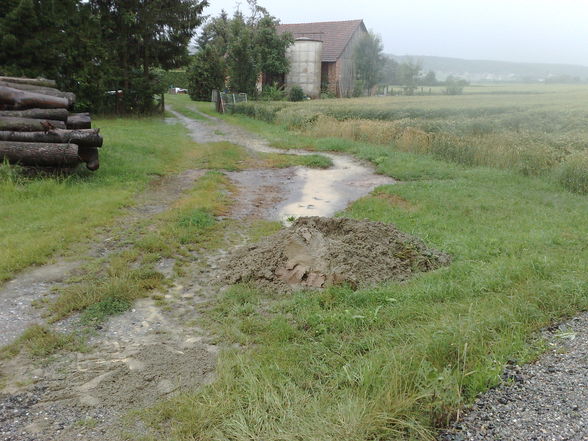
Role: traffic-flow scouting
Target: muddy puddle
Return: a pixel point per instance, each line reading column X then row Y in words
column 301, row 191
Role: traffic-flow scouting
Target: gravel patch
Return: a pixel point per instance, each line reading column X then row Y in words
column 543, row 401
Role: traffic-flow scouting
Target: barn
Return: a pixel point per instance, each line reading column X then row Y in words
column 321, row 57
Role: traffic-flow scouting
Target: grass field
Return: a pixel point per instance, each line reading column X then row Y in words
column 397, row 361
column 535, row 130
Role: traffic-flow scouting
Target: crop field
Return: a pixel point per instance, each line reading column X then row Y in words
column 533, row 129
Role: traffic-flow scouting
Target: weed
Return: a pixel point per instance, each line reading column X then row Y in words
column 39, row 341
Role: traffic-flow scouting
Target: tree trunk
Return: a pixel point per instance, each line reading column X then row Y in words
column 44, row 82
column 71, row 97
column 77, row 121
column 21, row 99
column 29, row 124
column 38, row 154
column 83, row 138
column 52, row 114
column 90, row 157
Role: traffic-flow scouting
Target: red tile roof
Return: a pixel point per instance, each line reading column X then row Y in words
column 335, row 35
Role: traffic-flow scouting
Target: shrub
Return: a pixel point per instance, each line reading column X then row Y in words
column 358, row 88
column 296, row 94
column 175, row 78
column 272, row 93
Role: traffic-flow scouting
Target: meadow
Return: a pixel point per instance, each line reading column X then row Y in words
column 387, row 362
column 533, row 129
column 398, row 360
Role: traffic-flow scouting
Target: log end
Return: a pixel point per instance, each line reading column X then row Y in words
column 93, row 165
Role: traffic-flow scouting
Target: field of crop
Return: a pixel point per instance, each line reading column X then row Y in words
column 533, row 129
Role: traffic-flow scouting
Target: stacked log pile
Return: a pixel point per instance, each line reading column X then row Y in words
column 37, row 128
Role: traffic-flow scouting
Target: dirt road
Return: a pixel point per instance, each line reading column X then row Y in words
column 150, row 352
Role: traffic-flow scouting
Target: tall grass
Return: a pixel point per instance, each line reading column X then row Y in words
column 531, row 133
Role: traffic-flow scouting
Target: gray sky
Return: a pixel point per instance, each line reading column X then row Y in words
column 546, row 31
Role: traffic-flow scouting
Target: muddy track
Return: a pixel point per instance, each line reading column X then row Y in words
column 157, row 348
column 302, row 191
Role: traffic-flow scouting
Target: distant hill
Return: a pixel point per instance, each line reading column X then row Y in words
column 486, row 70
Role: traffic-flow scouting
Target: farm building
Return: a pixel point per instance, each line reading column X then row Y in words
column 322, row 56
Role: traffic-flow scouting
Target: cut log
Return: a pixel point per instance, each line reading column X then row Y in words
column 83, row 138
column 90, row 157
column 44, row 82
column 21, row 99
column 39, row 154
column 8, row 123
column 77, row 121
column 51, row 114
column 71, row 97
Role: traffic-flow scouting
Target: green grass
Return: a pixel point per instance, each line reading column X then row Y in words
column 110, row 287
column 399, row 360
column 41, row 217
column 183, row 105
column 39, row 341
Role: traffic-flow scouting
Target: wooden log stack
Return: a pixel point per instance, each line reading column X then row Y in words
column 37, row 128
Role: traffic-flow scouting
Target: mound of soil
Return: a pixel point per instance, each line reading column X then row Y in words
column 317, row 252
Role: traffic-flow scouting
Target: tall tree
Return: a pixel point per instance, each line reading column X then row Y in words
column 249, row 45
column 145, row 34
column 271, row 48
column 206, row 73
column 408, row 75
column 242, row 66
column 369, row 60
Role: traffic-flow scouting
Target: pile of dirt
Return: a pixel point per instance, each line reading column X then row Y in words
column 317, row 252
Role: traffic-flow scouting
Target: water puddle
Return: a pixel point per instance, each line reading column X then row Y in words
column 302, row 191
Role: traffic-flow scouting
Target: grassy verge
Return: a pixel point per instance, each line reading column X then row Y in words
column 40, row 217
column 110, row 287
column 399, row 360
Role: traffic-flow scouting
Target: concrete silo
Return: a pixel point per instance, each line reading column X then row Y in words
column 305, row 65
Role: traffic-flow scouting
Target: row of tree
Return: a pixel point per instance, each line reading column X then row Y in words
column 234, row 52
column 106, row 51
column 372, row 68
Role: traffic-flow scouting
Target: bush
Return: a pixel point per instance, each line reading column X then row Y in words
column 273, row 93
column 296, row 94
column 358, row 88
column 175, row 78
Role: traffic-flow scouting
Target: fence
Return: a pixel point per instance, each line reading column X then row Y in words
column 224, row 101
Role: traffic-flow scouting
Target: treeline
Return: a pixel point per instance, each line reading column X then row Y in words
column 236, row 52
column 410, row 75
column 106, row 51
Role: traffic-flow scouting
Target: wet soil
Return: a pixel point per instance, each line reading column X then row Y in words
column 316, row 252
column 302, row 191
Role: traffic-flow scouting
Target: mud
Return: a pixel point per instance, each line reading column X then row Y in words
column 301, row 191
column 318, row 252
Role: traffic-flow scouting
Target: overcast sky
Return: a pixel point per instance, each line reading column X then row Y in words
column 547, row 31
